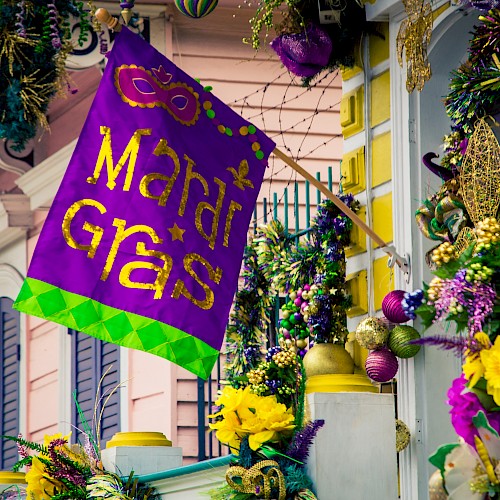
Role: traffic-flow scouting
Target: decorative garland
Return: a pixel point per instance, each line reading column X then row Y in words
column 474, row 85
column 34, row 44
column 464, row 291
column 246, row 332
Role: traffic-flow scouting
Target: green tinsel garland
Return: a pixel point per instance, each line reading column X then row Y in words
column 246, row 332
column 475, row 84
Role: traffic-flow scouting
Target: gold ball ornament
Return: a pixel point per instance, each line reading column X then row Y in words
column 403, row 435
column 326, row 359
column 301, row 343
column 436, row 488
column 371, row 333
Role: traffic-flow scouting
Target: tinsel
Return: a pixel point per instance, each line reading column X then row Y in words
column 34, row 45
column 474, row 85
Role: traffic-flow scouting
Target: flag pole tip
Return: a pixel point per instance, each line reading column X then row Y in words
column 103, row 16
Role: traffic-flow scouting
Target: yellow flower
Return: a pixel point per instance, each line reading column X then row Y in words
column 261, row 418
column 491, row 362
column 229, row 431
column 41, row 486
column 473, row 368
column 483, row 339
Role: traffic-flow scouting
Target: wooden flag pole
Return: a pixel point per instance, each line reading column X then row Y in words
column 395, row 258
column 103, row 16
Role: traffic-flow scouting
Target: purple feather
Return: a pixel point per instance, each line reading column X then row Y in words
column 302, row 440
column 456, row 344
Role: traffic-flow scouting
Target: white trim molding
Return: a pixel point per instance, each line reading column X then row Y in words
column 11, row 280
column 42, row 182
column 15, row 218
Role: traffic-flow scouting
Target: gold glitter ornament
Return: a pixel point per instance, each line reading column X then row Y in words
column 413, row 37
column 371, row 333
column 403, row 435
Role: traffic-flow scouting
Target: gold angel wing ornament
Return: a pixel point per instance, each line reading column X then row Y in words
column 480, row 181
column 413, row 38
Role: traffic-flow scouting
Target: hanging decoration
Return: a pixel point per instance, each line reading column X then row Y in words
column 480, row 174
column 474, row 85
column 312, row 273
column 403, row 435
column 304, row 46
column 413, row 39
column 381, row 365
column 386, row 338
column 196, row 9
column 35, row 42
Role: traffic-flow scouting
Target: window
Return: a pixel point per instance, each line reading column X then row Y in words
column 91, row 359
column 9, row 386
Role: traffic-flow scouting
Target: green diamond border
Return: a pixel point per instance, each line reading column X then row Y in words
column 183, row 349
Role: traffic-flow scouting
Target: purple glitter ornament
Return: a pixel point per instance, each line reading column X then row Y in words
column 381, row 365
column 304, row 54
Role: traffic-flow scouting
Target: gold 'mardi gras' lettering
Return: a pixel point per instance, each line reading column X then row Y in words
column 207, row 219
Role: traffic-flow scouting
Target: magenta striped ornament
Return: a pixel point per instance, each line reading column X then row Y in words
column 392, row 308
column 381, row 365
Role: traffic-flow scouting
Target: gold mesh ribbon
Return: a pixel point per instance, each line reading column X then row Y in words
column 464, row 240
column 256, row 481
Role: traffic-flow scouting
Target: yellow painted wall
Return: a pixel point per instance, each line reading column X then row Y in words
column 380, row 99
column 379, row 44
column 382, row 216
column 381, row 159
column 383, row 281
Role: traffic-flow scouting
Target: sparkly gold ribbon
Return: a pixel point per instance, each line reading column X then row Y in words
column 256, row 481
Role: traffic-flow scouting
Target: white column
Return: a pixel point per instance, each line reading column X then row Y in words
column 354, row 453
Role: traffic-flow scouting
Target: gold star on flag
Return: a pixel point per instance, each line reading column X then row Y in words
column 177, row 233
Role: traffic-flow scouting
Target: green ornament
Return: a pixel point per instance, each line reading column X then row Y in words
column 399, row 338
column 286, row 324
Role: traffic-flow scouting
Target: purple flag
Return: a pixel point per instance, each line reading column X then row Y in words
column 143, row 244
